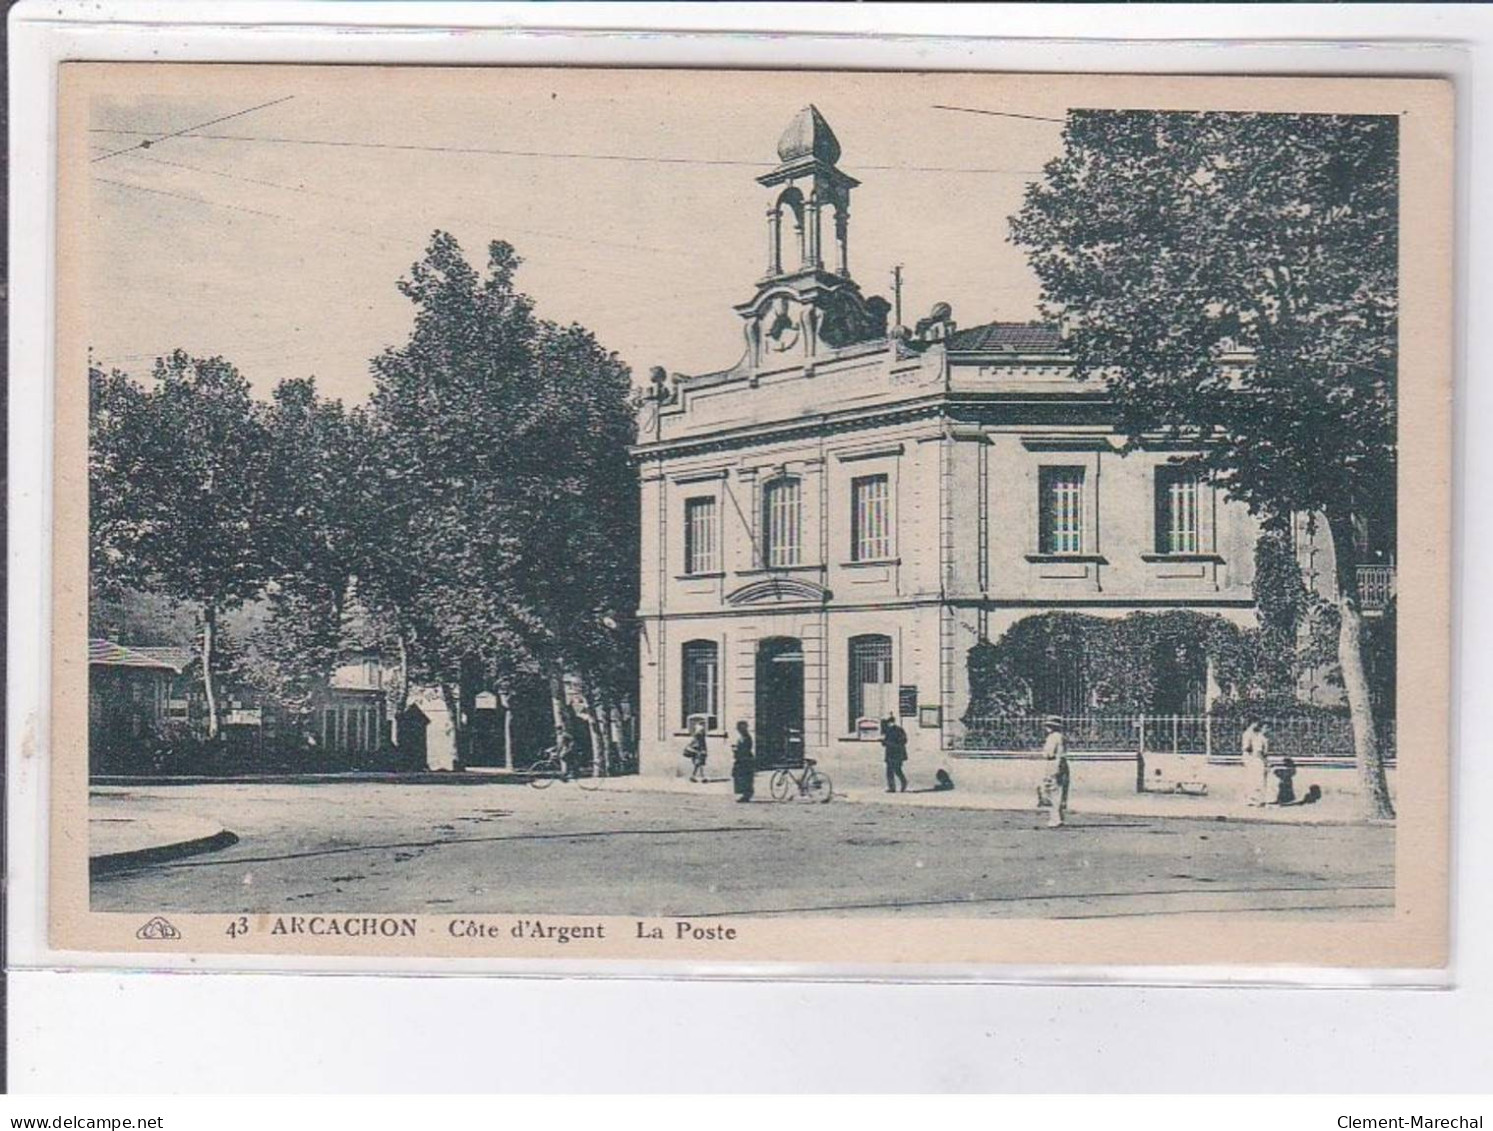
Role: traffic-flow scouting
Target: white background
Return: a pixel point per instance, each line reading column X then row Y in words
column 115, row 1032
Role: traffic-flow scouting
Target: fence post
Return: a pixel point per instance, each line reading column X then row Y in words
column 1176, row 734
column 1140, row 757
column 1208, row 736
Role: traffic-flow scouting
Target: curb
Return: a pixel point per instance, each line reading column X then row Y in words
column 431, row 777
column 159, row 853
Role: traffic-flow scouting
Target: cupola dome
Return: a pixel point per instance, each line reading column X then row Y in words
column 809, row 135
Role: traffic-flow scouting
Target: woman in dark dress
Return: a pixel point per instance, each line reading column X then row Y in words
column 743, row 764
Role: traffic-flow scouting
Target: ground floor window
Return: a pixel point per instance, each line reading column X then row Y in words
column 701, row 683
column 872, row 695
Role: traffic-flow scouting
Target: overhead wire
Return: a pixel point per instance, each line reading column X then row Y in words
column 190, row 129
column 1000, row 114
column 488, row 151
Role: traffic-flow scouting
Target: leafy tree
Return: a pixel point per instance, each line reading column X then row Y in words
column 443, row 568
column 318, row 504
column 1232, row 278
column 177, row 480
column 505, row 548
column 582, row 574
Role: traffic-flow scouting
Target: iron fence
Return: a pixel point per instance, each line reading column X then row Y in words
column 1213, row 736
column 1376, row 587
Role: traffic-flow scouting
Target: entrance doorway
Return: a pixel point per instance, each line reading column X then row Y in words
column 780, row 702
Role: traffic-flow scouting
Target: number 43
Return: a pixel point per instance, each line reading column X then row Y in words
column 237, row 927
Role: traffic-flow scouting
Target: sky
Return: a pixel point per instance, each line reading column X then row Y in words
column 276, row 237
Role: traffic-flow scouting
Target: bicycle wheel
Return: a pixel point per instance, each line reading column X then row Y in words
column 781, row 785
column 543, row 774
column 817, row 786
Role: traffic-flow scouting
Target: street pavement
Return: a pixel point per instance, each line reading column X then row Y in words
column 581, row 850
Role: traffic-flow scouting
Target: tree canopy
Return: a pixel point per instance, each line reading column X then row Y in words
column 1232, row 279
column 504, row 455
column 478, row 517
column 1234, row 275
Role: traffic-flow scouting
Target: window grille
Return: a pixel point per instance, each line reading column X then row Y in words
column 872, row 695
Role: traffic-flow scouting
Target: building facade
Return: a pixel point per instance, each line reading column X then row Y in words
column 832, row 523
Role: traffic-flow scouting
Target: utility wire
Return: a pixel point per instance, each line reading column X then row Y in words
column 148, row 142
column 999, row 114
column 632, row 158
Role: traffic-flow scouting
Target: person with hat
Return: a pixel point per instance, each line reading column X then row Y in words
column 1053, row 792
column 894, row 744
column 1254, row 746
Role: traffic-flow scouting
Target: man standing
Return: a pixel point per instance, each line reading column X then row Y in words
column 894, row 743
column 1053, row 792
column 1254, row 745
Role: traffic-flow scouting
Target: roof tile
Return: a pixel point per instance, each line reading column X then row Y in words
column 1010, row 337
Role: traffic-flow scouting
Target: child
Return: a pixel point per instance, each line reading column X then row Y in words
column 696, row 752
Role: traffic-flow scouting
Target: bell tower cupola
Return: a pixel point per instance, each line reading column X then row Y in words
column 809, row 198
column 806, row 302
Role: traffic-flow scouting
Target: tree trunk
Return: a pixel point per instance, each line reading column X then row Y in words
column 209, row 643
column 557, row 707
column 1373, row 786
column 600, row 752
column 614, row 729
column 458, row 732
column 506, row 699
column 402, row 687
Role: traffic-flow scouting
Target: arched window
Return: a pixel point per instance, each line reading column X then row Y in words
column 700, row 669
column 872, row 696
column 782, row 523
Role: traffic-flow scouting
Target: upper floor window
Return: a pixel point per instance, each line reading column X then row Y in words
column 870, row 518
column 782, row 523
column 701, row 690
column 1061, row 520
column 701, row 536
column 1176, row 511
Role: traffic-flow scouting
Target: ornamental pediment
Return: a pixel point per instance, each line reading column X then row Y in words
column 778, row 590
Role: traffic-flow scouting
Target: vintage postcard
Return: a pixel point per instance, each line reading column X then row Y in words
column 885, row 520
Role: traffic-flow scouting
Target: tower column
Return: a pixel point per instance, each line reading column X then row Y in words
column 774, row 241
column 811, row 220
column 842, row 239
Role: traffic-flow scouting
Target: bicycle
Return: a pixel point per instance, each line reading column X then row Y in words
column 812, row 784
column 549, row 769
